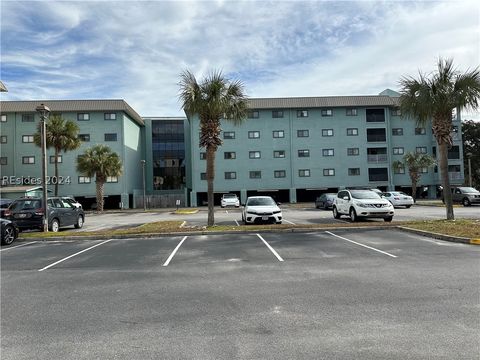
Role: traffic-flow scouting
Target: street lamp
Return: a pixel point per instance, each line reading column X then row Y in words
column 143, row 174
column 44, row 111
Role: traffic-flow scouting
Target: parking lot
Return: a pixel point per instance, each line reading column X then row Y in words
column 344, row 294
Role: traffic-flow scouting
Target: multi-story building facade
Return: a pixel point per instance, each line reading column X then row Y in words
column 110, row 122
column 296, row 148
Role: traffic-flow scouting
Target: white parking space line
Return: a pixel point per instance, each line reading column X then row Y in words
column 270, row 248
column 366, row 246
column 291, row 223
column 174, row 251
column 14, row 247
column 236, row 222
column 71, row 256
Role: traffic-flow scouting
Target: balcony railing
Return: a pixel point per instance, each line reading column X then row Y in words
column 455, row 175
column 381, row 158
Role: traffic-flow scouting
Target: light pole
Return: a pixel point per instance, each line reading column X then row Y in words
column 469, row 155
column 44, row 111
column 143, row 175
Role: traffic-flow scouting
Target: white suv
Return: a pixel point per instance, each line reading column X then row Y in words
column 230, row 200
column 362, row 203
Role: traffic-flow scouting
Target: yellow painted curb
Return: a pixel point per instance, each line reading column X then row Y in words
column 475, row 241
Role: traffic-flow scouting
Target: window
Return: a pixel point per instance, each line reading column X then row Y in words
column 424, row 170
column 229, row 155
column 112, row 179
column 28, row 160
column 304, row 173
column 354, row 171
column 83, row 116
column 111, row 137
column 376, row 135
column 353, row 151
column 254, row 134
column 27, row 118
column 27, row 138
column 420, row 131
column 84, row 180
column 252, row 114
column 84, row 137
column 377, row 174
column 229, row 135
column 302, row 133
column 327, row 132
column 327, row 112
column 454, row 168
column 230, row 175
column 3, row 139
column 303, row 153
column 203, row 155
column 3, row 160
column 110, row 116
column 399, row 170
column 375, row 115
column 396, row 112
column 328, row 172
column 255, row 174
column 203, row 176
column 352, row 112
column 279, row 174
column 454, row 152
column 302, row 113
column 421, row 149
column 277, row 114
column 254, row 155
column 397, row 132
column 328, row 152
column 278, row 134
column 352, row 132
column 398, row 151
column 3, row 118
column 279, row 154
column 52, row 159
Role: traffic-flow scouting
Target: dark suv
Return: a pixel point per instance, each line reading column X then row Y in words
column 27, row 213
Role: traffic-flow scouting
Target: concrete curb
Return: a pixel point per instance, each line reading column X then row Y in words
column 456, row 239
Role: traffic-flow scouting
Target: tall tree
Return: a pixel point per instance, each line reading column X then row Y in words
column 414, row 162
column 99, row 161
column 434, row 97
column 213, row 99
column 62, row 136
column 471, row 150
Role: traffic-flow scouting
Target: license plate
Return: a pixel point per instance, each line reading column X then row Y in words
column 264, row 218
column 21, row 216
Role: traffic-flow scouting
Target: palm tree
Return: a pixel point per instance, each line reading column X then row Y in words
column 435, row 97
column 99, row 161
column 213, row 99
column 60, row 134
column 415, row 162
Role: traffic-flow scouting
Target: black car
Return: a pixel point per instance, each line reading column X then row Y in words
column 27, row 213
column 325, row 201
column 4, row 204
column 9, row 231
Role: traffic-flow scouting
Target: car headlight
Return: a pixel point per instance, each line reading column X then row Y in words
column 251, row 212
column 360, row 204
column 277, row 212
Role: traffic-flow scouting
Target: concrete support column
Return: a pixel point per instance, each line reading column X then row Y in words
column 193, row 199
column 243, row 196
column 293, row 196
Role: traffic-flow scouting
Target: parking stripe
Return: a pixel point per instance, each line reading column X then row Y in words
column 366, row 246
column 174, row 251
column 13, row 247
column 289, row 222
column 78, row 253
column 270, row 248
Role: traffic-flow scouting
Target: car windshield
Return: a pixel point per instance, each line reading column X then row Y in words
column 261, row 202
column 25, row 205
column 229, row 196
column 468, row 190
column 365, row 194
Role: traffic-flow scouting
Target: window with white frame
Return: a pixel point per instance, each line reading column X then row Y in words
column 83, row 116
column 112, row 179
column 254, row 155
column 424, row 170
column 3, row 139
column 52, row 159
column 302, row 113
column 203, row 155
column 352, row 132
column 328, row 172
column 111, row 137
column 27, row 139
column 420, row 131
column 27, row 118
column 277, row 114
column 398, row 151
column 84, row 180
column 84, row 137
column 229, row 155
column 279, row 153
column 421, row 149
column 278, row 134
column 229, row 135
column 304, row 173
column 399, row 170
column 256, row 174
column 28, row 160
column 304, row 153
column 230, row 175
column 203, row 176
column 3, row 118
column 352, row 112
column 3, row 160
column 327, row 112
column 327, row 132
column 254, row 134
column 252, row 114
column 353, row 171
column 396, row 112
column 328, row 152
column 279, row 173
column 353, row 151
column 397, row 132
column 110, row 116
column 302, row 133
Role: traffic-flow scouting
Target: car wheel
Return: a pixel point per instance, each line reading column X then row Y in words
column 55, row 226
column 336, row 214
column 79, row 223
column 388, row 219
column 408, row 206
column 353, row 215
column 466, row 202
column 9, row 235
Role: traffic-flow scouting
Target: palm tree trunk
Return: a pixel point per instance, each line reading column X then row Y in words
column 210, row 178
column 447, row 193
column 414, row 190
column 56, row 171
column 100, row 182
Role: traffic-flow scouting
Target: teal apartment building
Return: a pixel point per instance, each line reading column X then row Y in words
column 290, row 148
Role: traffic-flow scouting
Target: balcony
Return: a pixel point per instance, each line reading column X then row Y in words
column 455, row 176
column 376, row 159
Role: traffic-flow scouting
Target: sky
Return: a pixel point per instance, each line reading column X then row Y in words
column 136, row 50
